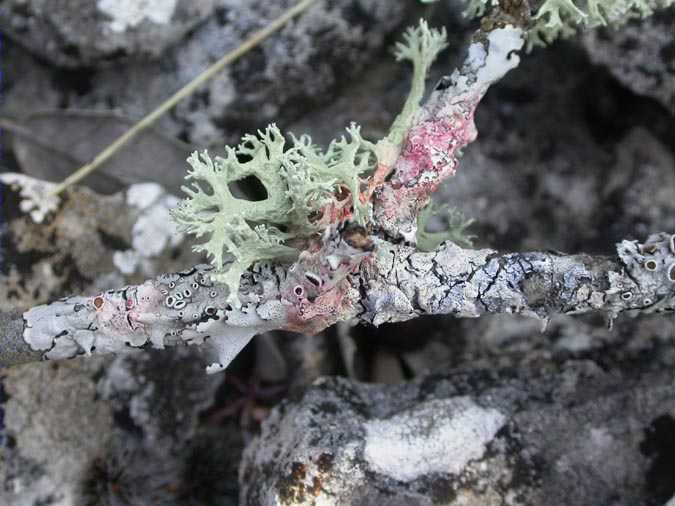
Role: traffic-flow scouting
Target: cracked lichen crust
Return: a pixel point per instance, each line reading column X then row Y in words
column 353, row 279
column 405, row 283
column 182, row 308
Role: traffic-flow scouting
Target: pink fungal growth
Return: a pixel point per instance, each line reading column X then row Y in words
column 317, row 291
column 429, row 156
column 312, row 316
column 127, row 311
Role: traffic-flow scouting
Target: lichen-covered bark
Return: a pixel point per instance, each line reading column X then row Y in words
column 441, row 129
column 403, row 283
column 394, row 282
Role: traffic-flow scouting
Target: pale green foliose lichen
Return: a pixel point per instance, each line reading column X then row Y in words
column 420, row 46
column 552, row 19
column 456, row 228
column 562, row 18
column 307, row 189
column 299, row 179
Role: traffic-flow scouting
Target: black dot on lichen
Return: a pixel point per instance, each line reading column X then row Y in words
column 313, row 278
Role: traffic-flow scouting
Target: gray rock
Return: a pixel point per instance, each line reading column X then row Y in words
column 293, row 71
column 91, row 32
column 641, row 184
column 57, row 424
column 574, row 435
column 113, row 432
column 641, row 55
column 160, row 394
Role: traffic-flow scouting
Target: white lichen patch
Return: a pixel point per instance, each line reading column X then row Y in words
column 228, row 336
column 143, row 195
column 504, row 43
column 391, row 305
column 228, row 344
column 153, row 231
column 36, row 198
column 487, row 62
column 456, row 261
column 438, row 436
column 125, row 14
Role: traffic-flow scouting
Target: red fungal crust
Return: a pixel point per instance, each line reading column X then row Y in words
column 317, row 291
column 325, row 310
column 429, row 156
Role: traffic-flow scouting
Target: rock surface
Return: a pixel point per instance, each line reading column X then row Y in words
column 91, row 32
column 112, row 431
column 55, row 426
column 575, row 435
column 641, row 55
column 282, row 78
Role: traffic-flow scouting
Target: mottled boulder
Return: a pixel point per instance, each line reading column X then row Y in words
column 294, row 70
column 91, row 32
column 108, row 431
column 55, row 426
column 568, row 435
column 641, row 55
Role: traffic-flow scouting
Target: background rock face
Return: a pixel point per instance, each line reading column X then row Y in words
column 279, row 80
column 486, row 437
column 91, row 32
column 575, row 151
column 640, row 55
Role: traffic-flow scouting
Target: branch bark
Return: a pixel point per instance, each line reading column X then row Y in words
column 395, row 283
